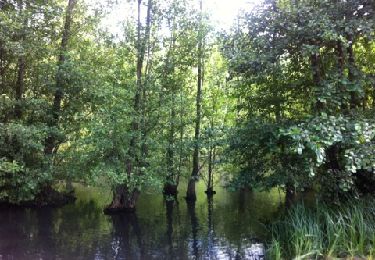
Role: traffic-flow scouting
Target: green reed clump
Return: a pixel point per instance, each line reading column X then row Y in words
column 323, row 231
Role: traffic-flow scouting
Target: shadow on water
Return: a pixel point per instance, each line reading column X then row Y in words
column 224, row 226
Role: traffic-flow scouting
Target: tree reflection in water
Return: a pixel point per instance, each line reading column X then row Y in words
column 222, row 227
column 194, row 242
column 127, row 237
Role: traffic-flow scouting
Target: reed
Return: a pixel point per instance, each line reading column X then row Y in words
column 324, row 231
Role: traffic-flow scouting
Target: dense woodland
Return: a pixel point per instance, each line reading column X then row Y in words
column 284, row 99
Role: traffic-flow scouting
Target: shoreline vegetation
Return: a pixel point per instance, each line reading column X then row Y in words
column 284, row 99
column 325, row 231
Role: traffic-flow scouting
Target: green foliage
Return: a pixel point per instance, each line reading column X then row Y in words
column 30, row 41
column 23, row 168
column 305, row 97
column 295, row 78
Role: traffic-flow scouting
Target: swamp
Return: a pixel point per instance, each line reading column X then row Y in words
column 187, row 129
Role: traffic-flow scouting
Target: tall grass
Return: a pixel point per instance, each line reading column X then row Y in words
column 345, row 231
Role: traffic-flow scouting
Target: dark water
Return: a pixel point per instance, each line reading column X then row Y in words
column 226, row 227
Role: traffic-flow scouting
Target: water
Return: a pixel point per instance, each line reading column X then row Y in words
column 228, row 227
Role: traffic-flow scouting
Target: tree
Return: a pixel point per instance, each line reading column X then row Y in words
column 51, row 142
column 296, row 74
column 190, row 193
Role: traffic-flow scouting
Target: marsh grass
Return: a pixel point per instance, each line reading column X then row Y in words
column 325, row 232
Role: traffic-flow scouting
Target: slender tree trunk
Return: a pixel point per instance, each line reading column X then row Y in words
column 340, row 58
column 209, row 169
column 21, row 68
column 2, row 69
column 211, row 161
column 210, row 186
column 125, row 197
column 354, row 100
column 317, row 77
column 2, row 59
column 20, row 87
column 143, row 85
column 51, row 142
column 182, row 128
column 170, row 187
column 340, row 69
column 190, row 194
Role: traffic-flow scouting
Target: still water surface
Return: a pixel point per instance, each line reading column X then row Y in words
column 223, row 228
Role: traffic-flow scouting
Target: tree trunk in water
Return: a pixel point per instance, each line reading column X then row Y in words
column 190, row 193
column 210, row 186
column 171, row 182
column 50, row 146
column 170, row 187
column 123, row 200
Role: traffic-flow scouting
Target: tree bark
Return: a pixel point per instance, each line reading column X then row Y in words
column 123, row 200
column 170, row 187
column 211, row 160
column 51, row 144
column 190, row 193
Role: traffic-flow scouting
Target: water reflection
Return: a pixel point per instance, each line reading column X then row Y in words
column 225, row 226
column 194, row 242
column 210, row 253
column 127, row 238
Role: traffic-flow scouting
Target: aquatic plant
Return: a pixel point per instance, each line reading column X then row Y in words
column 344, row 231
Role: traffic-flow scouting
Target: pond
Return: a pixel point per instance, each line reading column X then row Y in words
column 226, row 227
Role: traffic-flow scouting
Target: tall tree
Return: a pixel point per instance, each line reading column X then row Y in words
column 51, row 141
column 297, row 76
column 190, row 193
column 21, row 65
column 125, row 195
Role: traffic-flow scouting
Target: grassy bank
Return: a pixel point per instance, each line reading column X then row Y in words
column 325, row 232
